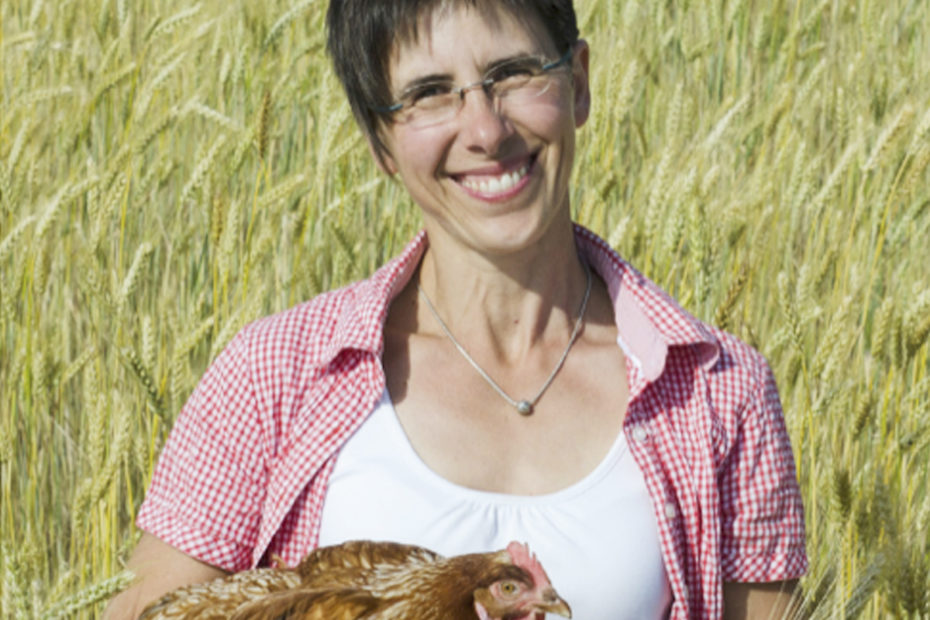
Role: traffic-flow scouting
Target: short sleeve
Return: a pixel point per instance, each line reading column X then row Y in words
column 207, row 490
column 762, row 535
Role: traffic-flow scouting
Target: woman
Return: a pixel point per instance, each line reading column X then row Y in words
column 506, row 377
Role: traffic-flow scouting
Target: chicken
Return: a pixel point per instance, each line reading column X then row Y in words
column 376, row 580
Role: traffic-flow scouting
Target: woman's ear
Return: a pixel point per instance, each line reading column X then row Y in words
column 382, row 159
column 582, row 90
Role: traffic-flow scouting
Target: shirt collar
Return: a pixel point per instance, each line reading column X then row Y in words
column 648, row 320
column 360, row 324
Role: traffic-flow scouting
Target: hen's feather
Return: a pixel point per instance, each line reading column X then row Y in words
column 223, row 597
column 351, row 562
column 344, row 604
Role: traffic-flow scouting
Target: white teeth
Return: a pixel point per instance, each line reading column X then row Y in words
column 496, row 185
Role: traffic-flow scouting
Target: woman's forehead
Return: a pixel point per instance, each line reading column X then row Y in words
column 456, row 35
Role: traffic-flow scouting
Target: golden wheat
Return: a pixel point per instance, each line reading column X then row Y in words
column 170, row 171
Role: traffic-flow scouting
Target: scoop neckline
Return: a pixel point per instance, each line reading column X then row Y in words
column 611, row 459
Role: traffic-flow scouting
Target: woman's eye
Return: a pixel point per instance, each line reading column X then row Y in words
column 425, row 93
column 508, row 588
column 515, row 70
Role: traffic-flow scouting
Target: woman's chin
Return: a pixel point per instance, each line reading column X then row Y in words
column 507, row 235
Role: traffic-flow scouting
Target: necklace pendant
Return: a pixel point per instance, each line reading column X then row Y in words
column 525, row 407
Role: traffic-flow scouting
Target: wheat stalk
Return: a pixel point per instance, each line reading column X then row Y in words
column 203, row 168
column 6, row 191
column 283, row 190
column 113, row 80
column 148, row 342
column 837, row 328
column 142, row 373
column 151, row 86
column 627, row 90
column 131, row 281
column 828, row 191
column 889, row 137
column 11, row 241
column 289, row 16
column 917, row 323
column 89, row 596
column 14, row 597
column 723, row 314
column 169, row 25
column 720, row 128
column 115, row 194
column 264, row 119
column 220, row 119
column 166, row 121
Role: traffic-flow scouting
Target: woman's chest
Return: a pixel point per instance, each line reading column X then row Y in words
column 461, row 427
column 597, row 538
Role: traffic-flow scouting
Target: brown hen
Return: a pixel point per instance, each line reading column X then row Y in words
column 376, row 580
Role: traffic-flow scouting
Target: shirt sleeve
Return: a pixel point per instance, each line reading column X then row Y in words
column 207, row 490
column 762, row 516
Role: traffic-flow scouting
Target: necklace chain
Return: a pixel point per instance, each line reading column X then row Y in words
column 524, row 407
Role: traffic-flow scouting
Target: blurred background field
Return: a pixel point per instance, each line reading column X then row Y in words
column 170, row 170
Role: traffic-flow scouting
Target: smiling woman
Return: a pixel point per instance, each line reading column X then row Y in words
column 508, row 376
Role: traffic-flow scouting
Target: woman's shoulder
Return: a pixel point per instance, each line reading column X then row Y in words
column 307, row 328
column 324, row 308
column 737, row 357
column 347, row 317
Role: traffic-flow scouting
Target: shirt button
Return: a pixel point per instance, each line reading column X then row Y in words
column 670, row 511
column 640, row 434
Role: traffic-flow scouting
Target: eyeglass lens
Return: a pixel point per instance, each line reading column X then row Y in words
column 511, row 90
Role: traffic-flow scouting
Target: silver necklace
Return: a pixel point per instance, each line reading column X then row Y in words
column 524, row 407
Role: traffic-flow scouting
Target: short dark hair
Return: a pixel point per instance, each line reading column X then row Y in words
column 362, row 34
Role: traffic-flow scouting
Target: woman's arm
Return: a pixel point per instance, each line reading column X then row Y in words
column 773, row 600
column 159, row 568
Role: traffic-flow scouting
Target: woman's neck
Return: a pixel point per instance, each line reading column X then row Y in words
column 508, row 304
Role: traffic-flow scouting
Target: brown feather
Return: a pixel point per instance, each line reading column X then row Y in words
column 346, row 604
column 221, row 597
column 360, row 555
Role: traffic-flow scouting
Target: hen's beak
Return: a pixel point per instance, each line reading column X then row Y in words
column 552, row 603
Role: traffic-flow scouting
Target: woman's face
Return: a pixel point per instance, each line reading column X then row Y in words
column 492, row 181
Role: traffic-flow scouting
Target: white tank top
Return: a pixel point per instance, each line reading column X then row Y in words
column 597, row 539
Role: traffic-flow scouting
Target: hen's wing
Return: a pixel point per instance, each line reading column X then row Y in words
column 222, row 597
column 352, row 564
column 330, row 583
column 343, row 604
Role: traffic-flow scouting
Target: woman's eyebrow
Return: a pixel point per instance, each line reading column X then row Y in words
column 494, row 64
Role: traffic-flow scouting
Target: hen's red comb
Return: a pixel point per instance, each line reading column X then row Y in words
column 521, row 556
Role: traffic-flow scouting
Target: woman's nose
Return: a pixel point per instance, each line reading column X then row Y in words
column 482, row 123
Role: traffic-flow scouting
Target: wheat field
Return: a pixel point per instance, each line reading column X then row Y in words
column 171, row 170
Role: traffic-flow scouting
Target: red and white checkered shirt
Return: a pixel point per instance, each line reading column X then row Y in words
column 245, row 470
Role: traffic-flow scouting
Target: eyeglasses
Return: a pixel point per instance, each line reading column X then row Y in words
column 517, row 81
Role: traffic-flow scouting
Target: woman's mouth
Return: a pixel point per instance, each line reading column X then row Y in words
column 500, row 184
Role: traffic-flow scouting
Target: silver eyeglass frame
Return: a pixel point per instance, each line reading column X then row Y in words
column 484, row 85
